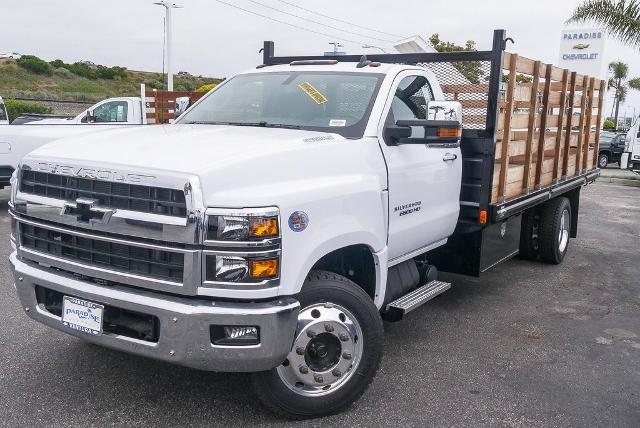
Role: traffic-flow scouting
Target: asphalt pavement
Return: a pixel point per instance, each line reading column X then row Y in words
column 527, row 344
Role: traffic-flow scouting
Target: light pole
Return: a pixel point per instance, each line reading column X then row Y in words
column 167, row 26
column 373, row 47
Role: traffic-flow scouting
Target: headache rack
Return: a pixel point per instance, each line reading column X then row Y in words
column 519, row 146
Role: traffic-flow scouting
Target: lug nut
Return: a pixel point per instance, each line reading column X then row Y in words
column 318, row 378
column 300, row 350
column 304, row 369
column 336, row 373
column 344, row 337
column 347, row 356
column 328, row 328
column 311, row 333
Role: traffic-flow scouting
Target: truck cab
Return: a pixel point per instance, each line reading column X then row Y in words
column 112, row 111
column 631, row 156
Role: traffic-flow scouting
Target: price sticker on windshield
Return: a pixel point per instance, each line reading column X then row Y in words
column 313, row 93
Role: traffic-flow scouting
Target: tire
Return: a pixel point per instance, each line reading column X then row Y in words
column 529, row 235
column 555, row 230
column 603, row 160
column 281, row 389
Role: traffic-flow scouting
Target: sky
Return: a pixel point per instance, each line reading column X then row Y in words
column 214, row 39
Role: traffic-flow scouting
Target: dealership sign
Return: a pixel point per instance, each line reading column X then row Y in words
column 582, row 51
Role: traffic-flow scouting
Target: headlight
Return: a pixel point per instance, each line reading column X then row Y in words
column 247, row 225
column 242, row 268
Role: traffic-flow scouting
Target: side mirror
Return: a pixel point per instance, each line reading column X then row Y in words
column 182, row 104
column 638, row 136
column 395, row 133
column 90, row 117
column 444, row 110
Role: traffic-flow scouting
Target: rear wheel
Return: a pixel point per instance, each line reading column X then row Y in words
column 555, row 228
column 335, row 355
column 529, row 235
column 603, row 160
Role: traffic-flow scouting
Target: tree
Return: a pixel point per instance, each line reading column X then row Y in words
column 618, row 82
column 620, row 18
column 472, row 70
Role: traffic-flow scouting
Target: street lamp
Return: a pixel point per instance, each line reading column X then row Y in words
column 373, row 47
column 167, row 22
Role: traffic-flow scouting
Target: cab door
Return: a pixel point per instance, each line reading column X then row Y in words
column 423, row 179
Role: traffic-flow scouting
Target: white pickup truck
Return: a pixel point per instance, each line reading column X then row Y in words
column 18, row 140
column 275, row 225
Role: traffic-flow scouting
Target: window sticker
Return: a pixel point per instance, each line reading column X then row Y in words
column 313, row 93
column 337, row 122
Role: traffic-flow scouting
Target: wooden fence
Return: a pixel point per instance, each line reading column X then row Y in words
column 548, row 128
column 160, row 105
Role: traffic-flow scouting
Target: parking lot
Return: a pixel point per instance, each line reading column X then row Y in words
column 525, row 345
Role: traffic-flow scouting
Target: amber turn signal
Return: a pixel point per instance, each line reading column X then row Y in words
column 263, row 227
column 449, row 132
column 267, row 268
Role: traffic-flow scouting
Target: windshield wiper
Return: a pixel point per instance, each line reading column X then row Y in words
column 262, row 124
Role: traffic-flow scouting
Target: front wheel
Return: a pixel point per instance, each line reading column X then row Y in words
column 603, row 160
column 336, row 352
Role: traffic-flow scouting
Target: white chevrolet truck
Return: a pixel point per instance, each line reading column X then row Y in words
column 274, row 226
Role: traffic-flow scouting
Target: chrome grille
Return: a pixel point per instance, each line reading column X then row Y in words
column 160, row 264
column 146, row 199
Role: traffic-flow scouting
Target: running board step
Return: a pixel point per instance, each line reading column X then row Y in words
column 418, row 297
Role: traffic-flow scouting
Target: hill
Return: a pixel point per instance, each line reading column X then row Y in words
column 16, row 81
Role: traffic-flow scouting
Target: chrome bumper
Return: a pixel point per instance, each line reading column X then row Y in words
column 184, row 323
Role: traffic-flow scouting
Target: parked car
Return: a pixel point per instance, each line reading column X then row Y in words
column 611, row 148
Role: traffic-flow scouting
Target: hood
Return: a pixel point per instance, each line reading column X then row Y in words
column 190, row 149
column 230, row 161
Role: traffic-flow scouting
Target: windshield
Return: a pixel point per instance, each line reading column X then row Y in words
column 319, row 101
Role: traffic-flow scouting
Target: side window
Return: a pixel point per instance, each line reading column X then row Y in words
column 3, row 116
column 410, row 101
column 115, row 111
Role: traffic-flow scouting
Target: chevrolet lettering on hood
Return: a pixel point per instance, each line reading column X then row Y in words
column 93, row 173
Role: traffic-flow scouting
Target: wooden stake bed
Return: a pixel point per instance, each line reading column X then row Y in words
column 548, row 127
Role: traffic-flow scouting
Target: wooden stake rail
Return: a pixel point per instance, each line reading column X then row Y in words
column 160, row 105
column 548, row 128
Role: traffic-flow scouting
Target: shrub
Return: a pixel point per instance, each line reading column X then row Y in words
column 154, row 84
column 57, row 63
column 16, row 107
column 609, row 124
column 184, row 86
column 35, row 65
column 63, row 72
column 111, row 73
column 82, row 70
column 207, row 87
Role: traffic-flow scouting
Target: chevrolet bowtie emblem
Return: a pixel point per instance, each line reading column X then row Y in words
column 85, row 211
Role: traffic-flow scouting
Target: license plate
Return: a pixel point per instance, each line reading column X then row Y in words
column 82, row 315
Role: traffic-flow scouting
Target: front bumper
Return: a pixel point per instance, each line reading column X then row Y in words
column 184, row 323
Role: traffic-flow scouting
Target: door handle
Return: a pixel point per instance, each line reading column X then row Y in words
column 449, row 157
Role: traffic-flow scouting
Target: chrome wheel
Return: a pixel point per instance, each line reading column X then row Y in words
column 326, row 351
column 563, row 234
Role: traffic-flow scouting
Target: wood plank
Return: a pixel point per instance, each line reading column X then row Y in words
column 567, row 135
column 583, row 117
column 585, row 152
column 599, row 122
column 506, row 136
column 543, row 126
column 557, row 73
column 533, row 112
column 525, row 65
column 561, row 120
